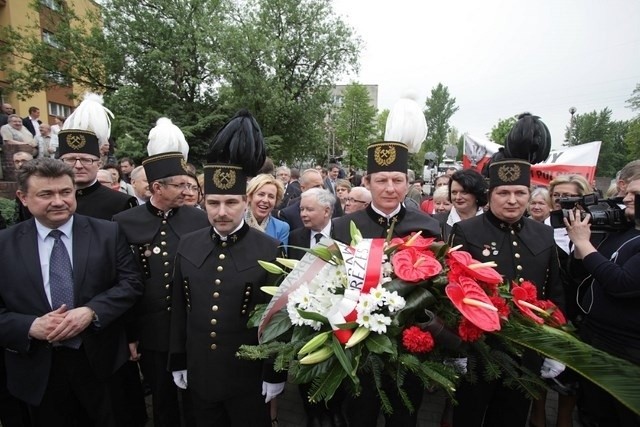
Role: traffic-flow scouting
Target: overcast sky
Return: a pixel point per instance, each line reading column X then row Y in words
column 500, row 58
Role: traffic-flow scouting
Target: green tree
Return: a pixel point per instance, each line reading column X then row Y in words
column 381, row 124
column 355, row 124
column 634, row 101
column 598, row 126
column 440, row 106
column 282, row 56
column 500, row 131
column 632, row 140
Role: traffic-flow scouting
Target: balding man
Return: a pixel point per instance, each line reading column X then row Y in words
column 140, row 185
column 47, row 142
column 358, row 199
column 5, row 111
column 105, row 178
column 309, row 179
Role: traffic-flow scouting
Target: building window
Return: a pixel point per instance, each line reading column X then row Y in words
column 51, row 4
column 59, row 110
column 50, row 38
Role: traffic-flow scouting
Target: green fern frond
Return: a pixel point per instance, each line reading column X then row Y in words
column 617, row 376
column 377, row 368
column 259, row 352
column 324, row 387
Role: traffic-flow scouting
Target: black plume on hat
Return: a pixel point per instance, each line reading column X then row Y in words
column 529, row 140
column 239, row 142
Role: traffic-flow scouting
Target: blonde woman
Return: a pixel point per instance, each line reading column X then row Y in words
column 264, row 192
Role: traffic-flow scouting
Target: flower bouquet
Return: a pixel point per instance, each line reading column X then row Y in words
column 413, row 306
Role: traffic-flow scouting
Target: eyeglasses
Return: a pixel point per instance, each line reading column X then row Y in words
column 351, row 200
column 83, row 161
column 184, row 187
column 562, row 195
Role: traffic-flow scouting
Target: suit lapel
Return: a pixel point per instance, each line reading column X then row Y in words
column 28, row 249
column 81, row 247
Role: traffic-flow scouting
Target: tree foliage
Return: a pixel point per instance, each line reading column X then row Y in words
column 500, row 131
column 632, row 140
column 634, row 101
column 440, row 106
column 197, row 62
column 355, row 124
column 598, row 126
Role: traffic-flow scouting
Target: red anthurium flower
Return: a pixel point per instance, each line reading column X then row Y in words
column 474, row 304
column 413, row 265
column 468, row 331
column 462, row 263
column 521, row 298
column 415, row 240
column 557, row 317
column 416, row 340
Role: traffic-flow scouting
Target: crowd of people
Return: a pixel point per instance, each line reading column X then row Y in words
column 120, row 277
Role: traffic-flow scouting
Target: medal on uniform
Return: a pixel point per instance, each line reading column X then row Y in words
column 156, row 250
column 147, row 251
column 486, row 251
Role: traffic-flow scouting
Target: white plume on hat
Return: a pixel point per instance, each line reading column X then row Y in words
column 407, row 124
column 93, row 116
column 167, row 137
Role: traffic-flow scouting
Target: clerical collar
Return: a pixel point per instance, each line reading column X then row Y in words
column 160, row 213
column 385, row 219
column 516, row 226
column 88, row 190
column 232, row 237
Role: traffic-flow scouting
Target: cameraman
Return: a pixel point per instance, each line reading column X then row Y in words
column 611, row 301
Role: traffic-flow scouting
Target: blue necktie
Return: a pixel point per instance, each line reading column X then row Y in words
column 61, row 280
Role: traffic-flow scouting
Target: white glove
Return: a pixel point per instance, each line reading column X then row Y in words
column 551, row 368
column 180, row 379
column 271, row 390
column 459, row 364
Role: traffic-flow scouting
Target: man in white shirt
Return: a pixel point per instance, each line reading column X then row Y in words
column 32, row 121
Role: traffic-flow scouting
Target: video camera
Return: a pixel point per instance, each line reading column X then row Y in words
column 606, row 214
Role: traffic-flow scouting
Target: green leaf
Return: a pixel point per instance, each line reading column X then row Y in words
column 379, row 343
column 278, row 325
column 271, row 268
column 347, row 326
column 419, row 299
column 356, row 236
column 617, row 376
column 338, row 350
column 324, row 387
column 310, row 315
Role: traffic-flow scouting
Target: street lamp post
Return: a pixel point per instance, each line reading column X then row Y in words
column 572, row 111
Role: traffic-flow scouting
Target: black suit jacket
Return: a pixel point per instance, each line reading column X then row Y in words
column 26, row 122
column 300, row 238
column 106, row 279
column 291, row 214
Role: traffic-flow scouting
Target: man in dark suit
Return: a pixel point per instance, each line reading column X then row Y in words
column 310, row 178
column 387, row 180
column 32, row 121
column 291, row 191
column 333, row 171
column 523, row 249
column 217, row 285
column 154, row 230
column 67, row 281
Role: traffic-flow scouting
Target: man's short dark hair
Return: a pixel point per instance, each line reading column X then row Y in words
column 471, row 182
column 33, row 109
column 45, row 168
column 127, row 159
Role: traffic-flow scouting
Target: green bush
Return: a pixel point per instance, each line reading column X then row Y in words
column 8, row 210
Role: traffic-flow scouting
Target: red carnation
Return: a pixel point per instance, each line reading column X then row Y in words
column 413, row 265
column 468, row 331
column 501, row 305
column 417, row 341
column 532, row 291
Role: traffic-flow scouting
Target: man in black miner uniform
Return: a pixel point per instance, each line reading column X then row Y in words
column 153, row 230
column 79, row 147
column 387, row 180
column 523, row 249
column 217, row 285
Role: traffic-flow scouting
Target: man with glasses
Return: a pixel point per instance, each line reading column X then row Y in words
column 80, row 150
column 153, row 231
column 358, row 199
